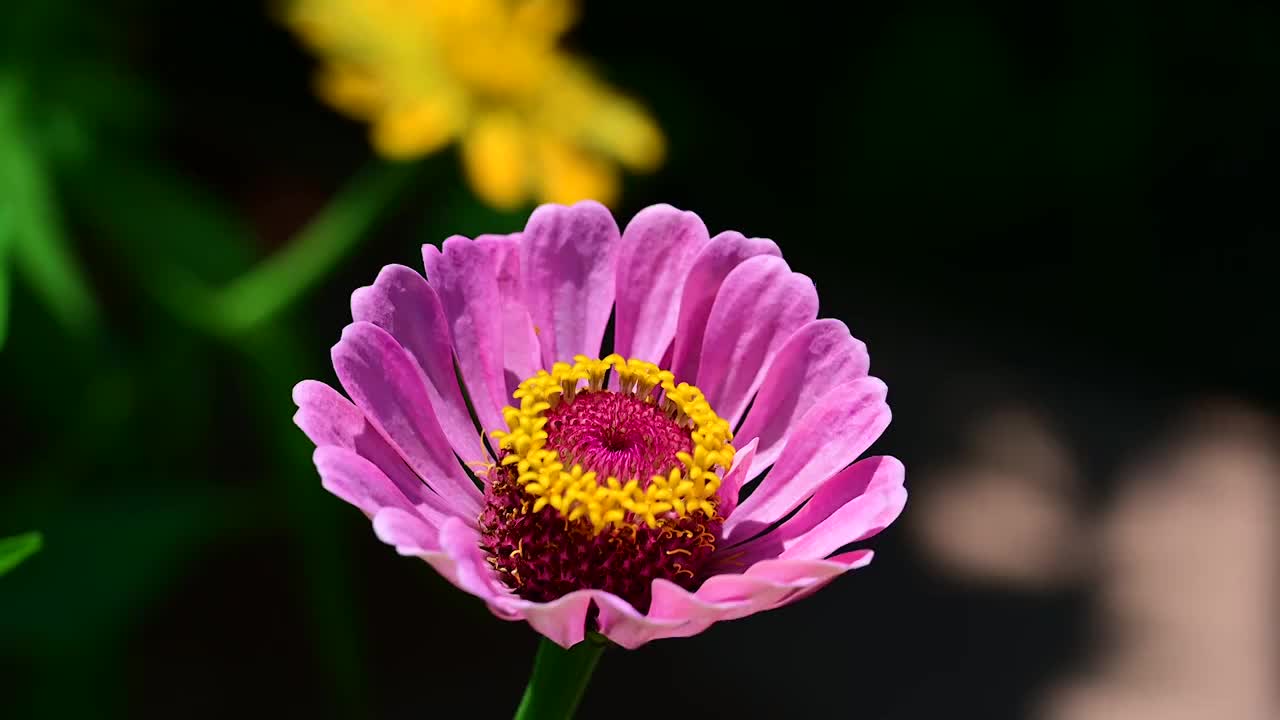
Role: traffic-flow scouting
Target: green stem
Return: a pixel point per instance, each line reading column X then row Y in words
column 559, row 679
column 262, row 292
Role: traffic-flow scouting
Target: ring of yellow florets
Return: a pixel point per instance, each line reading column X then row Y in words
column 576, row 492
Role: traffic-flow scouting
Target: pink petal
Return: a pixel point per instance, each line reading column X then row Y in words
column 712, row 265
column 819, row 356
column 384, row 382
column 453, row 551
column 850, row 561
column 858, row 520
column 626, row 626
column 739, row 474
column 759, row 306
column 401, row 302
column 676, row 612
column 658, row 248
column 831, row 435
column 522, row 355
column 563, row 620
column 327, row 418
column 407, row 533
column 461, row 542
column 805, row 572
column 857, row 503
column 360, row 482
column 464, row 278
column 569, row 260
column 727, row 597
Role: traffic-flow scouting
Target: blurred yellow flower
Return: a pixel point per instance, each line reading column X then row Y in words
column 532, row 121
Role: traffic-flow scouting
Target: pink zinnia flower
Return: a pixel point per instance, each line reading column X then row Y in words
column 593, row 490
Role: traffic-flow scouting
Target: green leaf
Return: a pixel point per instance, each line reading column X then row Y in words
column 14, row 550
column 39, row 247
column 274, row 283
column 179, row 278
column 5, row 233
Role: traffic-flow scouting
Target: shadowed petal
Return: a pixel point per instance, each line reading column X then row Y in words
column 401, row 302
column 327, row 418
column 388, row 387
column 462, row 274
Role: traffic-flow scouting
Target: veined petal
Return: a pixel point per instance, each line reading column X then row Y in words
column 568, row 261
column 401, row 302
column 759, row 306
column 462, row 274
column 838, row 429
column 327, row 418
column 388, row 387
column 855, row 504
column 711, row 266
column 657, row 251
column 360, row 483
column 739, row 474
column 521, row 356
column 818, row 357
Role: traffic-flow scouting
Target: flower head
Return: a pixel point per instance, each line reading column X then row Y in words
column 598, row 490
column 532, row 120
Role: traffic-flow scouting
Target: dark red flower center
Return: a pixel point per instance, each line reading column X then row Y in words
column 542, row 555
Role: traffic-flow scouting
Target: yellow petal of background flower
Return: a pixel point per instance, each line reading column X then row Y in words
column 496, row 157
column 569, row 174
column 424, row 72
column 624, row 130
column 413, row 130
column 545, row 17
column 589, row 112
column 350, row 89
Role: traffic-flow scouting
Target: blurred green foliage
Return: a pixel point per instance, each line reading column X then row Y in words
column 188, row 324
column 35, row 241
column 14, row 550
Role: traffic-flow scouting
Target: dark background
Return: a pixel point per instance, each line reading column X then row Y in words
column 1068, row 206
